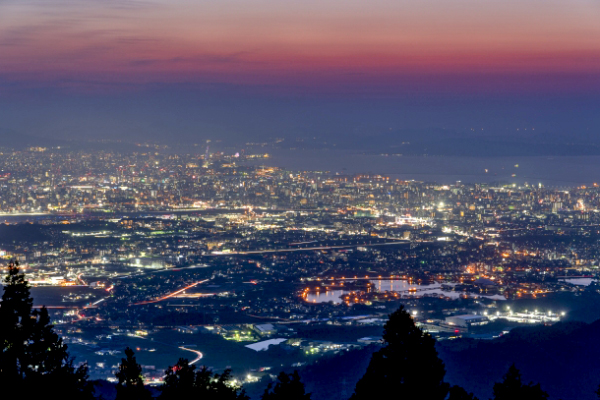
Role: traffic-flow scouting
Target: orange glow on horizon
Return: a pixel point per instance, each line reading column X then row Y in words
column 303, row 43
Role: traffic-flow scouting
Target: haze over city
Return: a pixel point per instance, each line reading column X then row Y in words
column 238, row 70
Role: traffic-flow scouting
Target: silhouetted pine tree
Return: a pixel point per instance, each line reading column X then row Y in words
column 288, row 387
column 407, row 367
column 184, row 380
column 50, row 369
column 15, row 326
column 218, row 386
column 512, row 388
column 179, row 381
column 130, row 384
column 458, row 393
column 34, row 358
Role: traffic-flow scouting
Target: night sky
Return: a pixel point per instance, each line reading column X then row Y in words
column 244, row 69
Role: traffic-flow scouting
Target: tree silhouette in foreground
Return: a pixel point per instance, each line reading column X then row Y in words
column 288, row 387
column 34, row 359
column 407, row 367
column 131, row 383
column 52, row 368
column 458, row 393
column 16, row 323
column 512, row 388
column 185, row 381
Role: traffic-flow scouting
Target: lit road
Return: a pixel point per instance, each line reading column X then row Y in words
column 173, row 294
column 163, row 270
column 397, row 242
column 198, row 354
column 80, row 277
column 27, row 214
column 94, row 304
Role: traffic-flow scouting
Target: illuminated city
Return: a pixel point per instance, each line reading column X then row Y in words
column 123, row 248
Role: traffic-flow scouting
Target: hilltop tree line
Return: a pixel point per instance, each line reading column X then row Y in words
column 34, row 361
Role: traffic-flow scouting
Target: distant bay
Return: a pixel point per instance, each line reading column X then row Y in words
column 551, row 171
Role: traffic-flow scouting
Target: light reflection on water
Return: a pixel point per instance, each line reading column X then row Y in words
column 324, row 297
column 401, row 286
column 434, row 288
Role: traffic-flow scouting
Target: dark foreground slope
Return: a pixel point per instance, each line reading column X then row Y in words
column 564, row 358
